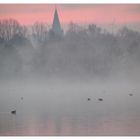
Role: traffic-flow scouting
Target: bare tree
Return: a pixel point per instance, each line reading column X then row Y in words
column 93, row 29
column 74, row 28
column 39, row 31
column 10, row 28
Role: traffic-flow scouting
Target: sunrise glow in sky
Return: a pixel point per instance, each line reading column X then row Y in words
column 78, row 13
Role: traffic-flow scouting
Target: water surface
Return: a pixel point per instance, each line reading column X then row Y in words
column 63, row 110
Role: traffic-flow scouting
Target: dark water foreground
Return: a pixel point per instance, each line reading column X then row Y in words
column 61, row 109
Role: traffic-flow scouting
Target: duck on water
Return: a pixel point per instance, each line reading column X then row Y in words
column 13, row 112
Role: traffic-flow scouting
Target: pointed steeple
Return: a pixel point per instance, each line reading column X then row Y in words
column 56, row 27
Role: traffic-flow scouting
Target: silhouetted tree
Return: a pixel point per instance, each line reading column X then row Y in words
column 93, row 29
column 40, row 31
column 9, row 28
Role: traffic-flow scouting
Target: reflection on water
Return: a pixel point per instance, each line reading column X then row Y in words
column 53, row 126
column 53, row 113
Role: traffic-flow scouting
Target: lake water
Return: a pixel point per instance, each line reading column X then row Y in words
column 63, row 110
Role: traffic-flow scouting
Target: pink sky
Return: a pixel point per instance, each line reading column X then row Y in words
column 77, row 13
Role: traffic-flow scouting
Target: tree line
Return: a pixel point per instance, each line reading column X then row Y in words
column 88, row 50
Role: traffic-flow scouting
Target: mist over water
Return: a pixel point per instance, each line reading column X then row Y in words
column 48, row 79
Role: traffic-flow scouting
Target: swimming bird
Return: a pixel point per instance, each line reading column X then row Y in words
column 88, row 99
column 130, row 94
column 13, row 112
column 100, row 99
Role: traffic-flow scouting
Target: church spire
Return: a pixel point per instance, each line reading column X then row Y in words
column 56, row 27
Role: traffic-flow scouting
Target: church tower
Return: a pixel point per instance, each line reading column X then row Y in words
column 56, row 27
